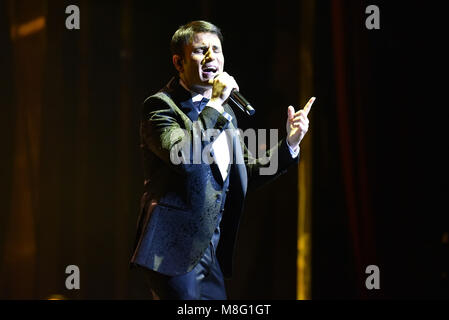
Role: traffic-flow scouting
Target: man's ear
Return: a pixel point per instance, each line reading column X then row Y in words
column 177, row 62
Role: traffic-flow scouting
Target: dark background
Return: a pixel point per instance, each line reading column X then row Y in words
column 71, row 165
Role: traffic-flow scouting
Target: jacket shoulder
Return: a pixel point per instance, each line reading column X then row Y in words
column 158, row 101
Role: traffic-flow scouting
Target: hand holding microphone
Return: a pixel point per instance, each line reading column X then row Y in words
column 225, row 88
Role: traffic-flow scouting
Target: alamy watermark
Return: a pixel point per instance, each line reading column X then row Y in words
column 73, row 280
column 373, row 20
column 373, row 280
column 73, row 20
column 202, row 147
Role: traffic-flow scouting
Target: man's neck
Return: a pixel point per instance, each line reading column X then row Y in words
column 207, row 93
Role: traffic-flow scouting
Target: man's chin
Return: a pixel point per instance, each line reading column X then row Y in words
column 205, row 80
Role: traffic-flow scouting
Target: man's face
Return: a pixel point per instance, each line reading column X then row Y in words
column 203, row 60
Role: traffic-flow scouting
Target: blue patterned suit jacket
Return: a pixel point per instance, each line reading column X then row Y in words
column 181, row 203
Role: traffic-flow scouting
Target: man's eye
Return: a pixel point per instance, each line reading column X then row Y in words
column 198, row 50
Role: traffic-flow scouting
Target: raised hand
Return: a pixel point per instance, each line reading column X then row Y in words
column 298, row 123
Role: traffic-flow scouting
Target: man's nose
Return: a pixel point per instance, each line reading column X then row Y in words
column 210, row 54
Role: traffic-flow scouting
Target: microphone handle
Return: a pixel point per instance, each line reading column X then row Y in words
column 237, row 98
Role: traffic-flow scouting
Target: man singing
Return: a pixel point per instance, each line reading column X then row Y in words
column 190, row 211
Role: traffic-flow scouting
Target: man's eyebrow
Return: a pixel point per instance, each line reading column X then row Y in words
column 204, row 46
column 200, row 46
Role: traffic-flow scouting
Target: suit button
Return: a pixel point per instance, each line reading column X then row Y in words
column 227, row 190
column 218, row 198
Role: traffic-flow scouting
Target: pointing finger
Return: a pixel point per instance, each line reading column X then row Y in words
column 309, row 105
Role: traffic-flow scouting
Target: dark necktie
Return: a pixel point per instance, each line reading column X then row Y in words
column 199, row 105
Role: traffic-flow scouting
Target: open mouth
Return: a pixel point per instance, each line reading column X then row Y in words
column 209, row 70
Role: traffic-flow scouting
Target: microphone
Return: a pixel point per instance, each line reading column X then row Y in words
column 237, row 99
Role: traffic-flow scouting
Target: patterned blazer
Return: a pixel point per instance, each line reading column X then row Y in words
column 182, row 199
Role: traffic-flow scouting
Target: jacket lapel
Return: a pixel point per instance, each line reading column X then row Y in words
column 183, row 99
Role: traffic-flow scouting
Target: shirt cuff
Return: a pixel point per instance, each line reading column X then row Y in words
column 227, row 116
column 293, row 152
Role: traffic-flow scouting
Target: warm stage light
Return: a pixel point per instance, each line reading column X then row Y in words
column 56, row 297
column 28, row 28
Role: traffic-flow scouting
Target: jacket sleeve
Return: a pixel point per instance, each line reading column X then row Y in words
column 173, row 138
column 263, row 169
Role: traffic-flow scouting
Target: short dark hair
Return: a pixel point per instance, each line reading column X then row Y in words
column 185, row 33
